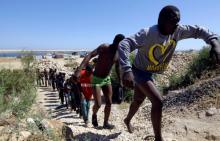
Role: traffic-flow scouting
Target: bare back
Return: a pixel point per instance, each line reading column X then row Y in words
column 106, row 58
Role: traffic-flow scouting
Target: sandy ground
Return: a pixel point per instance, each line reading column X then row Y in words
column 15, row 63
column 10, row 63
column 178, row 124
column 50, row 101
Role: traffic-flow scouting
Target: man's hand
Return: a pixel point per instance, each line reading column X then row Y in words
column 77, row 74
column 128, row 79
column 215, row 51
column 121, row 83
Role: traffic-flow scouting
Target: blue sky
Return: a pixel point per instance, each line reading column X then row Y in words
column 84, row 24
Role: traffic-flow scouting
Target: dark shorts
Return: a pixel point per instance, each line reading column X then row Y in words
column 141, row 76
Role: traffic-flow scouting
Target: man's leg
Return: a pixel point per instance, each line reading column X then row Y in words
column 49, row 81
column 65, row 99
column 107, row 91
column 53, row 85
column 78, row 103
column 87, row 107
column 45, row 82
column 73, row 101
column 42, row 81
column 61, row 96
column 84, row 110
column 138, row 98
column 97, row 104
column 154, row 96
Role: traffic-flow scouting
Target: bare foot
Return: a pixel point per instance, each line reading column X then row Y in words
column 129, row 127
column 151, row 137
column 160, row 139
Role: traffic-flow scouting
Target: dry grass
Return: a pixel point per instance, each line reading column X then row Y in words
column 10, row 63
column 123, row 105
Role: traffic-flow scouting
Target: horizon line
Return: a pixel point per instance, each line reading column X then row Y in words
column 55, row 50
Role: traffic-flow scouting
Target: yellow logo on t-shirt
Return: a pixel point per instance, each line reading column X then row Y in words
column 162, row 48
column 157, row 66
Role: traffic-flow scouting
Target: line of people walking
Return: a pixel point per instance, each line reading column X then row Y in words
column 155, row 46
column 73, row 93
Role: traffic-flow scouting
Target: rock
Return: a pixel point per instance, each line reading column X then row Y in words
column 218, row 101
column 60, row 129
column 3, row 122
column 195, row 131
column 8, row 121
column 176, row 66
column 40, row 125
column 212, row 111
column 212, row 137
column 169, row 137
column 1, row 128
column 37, row 137
column 186, row 129
column 30, row 121
column 4, row 137
column 201, row 115
column 25, row 134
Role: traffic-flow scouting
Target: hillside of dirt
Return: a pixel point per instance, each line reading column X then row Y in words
column 189, row 114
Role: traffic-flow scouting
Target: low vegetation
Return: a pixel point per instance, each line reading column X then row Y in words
column 17, row 88
column 201, row 66
column 72, row 64
column 128, row 93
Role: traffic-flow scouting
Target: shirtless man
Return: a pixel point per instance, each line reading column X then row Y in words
column 107, row 56
column 156, row 46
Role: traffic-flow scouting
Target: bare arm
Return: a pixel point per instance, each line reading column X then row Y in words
column 215, row 50
column 117, row 69
column 86, row 60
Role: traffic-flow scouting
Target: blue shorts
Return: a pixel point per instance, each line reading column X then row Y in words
column 141, row 76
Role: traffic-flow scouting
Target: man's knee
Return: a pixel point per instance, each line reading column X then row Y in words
column 108, row 103
column 137, row 101
column 157, row 103
column 98, row 105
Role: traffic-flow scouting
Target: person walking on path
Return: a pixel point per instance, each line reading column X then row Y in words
column 155, row 46
column 86, row 88
column 107, row 56
column 45, row 77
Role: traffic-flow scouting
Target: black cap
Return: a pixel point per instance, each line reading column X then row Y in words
column 118, row 38
column 169, row 13
column 89, row 68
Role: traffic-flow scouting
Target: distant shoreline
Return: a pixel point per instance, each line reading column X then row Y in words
column 56, row 50
column 18, row 53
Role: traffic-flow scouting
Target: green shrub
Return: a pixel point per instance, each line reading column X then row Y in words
column 72, row 64
column 128, row 93
column 17, row 87
column 132, row 57
column 201, row 63
column 17, row 91
column 27, row 60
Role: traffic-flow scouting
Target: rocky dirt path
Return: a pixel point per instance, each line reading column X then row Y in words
column 49, row 101
column 179, row 123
